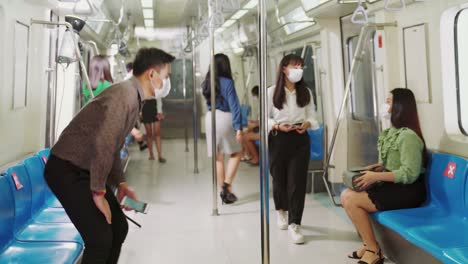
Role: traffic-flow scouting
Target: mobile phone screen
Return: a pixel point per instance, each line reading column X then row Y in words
column 135, row 205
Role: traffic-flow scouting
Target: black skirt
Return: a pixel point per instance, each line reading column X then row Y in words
column 149, row 111
column 393, row 196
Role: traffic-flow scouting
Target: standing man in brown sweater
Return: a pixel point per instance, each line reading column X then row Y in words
column 85, row 162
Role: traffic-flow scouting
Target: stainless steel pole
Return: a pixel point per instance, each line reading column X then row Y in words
column 195, row 107
column 264, row 174
column 184, row 88
column 213, row 108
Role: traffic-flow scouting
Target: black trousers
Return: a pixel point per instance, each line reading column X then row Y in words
column 71, row 185
column 289, row 155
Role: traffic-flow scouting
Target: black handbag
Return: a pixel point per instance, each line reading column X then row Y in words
column 353, row 173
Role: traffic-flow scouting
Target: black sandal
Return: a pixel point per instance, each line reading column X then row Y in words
column 379, row 260
column 355, row 255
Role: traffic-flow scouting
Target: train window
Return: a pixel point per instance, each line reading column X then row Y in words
column 296, row 15
column 362, row 106
column 177, row 91
column 461, row 59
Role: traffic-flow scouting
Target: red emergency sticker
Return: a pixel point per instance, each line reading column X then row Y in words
column 450, row 170
column 17, row 182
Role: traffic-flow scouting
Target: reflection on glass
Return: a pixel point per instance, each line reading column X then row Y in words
column 362, row 107
column 177, row 91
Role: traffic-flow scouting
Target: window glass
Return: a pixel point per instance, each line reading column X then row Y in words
column 177, row 87
column 461, row 35
column 362, row 107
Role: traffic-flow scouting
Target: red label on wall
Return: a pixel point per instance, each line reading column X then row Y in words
column 379, row 40
column 17, row 182
column 44, row 158
column 450, row 170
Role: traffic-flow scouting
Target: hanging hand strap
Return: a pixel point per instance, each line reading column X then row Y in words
column 360, row 12
column 395, row 8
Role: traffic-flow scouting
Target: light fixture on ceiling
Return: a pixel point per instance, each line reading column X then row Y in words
column 220, row 30
column 239, row 14
column 147, row 3
column 148, row 13
column 149, row 23
column 251, row 4
column 229, row 23
column 310, row 4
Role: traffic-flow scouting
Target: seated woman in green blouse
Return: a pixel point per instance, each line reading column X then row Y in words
column 99, row 76
column 401, row 164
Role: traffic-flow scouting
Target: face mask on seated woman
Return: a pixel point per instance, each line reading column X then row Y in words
column 385, row 111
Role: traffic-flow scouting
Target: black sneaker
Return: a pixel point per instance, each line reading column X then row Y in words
column 143, row 147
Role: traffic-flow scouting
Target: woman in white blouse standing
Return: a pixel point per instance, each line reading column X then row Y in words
column 291, row 113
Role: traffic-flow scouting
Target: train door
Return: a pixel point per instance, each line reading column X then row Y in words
column 178, row 105
column 362, row 118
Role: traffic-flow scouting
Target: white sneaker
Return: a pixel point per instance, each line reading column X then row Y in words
column 282, row 219
column 295, row 234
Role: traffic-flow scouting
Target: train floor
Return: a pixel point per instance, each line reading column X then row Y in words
column 179, row 227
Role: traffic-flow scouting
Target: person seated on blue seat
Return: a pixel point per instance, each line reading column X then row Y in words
column 398, row 174
column 252, row 132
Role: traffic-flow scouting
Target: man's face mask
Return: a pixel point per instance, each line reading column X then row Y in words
column 158, row 79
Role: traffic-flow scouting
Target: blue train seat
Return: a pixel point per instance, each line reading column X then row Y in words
column 50, row 198
column 40, row 194
column 245, row 114
column 25, row 226
column 45, row 153
column 440, row 226
column 13, row 251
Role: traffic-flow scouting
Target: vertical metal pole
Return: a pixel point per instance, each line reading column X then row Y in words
column 213, row 108
column 264, row 175
column 184, row 88
column 195, row 108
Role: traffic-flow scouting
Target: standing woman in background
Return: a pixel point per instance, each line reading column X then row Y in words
column 151, row 117
column 100, row 77
column 291, row 112
column 228, row 125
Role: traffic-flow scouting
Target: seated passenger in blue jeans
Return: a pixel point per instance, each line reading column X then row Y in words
column 401, row 164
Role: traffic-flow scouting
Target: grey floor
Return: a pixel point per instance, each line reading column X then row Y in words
column 179, row 227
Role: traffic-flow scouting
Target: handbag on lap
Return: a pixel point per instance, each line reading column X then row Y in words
column 353, row 173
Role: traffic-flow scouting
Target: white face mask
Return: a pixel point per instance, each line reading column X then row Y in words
column 155, row 87
column 167, row 83
column 295, row 75
column 384, row 111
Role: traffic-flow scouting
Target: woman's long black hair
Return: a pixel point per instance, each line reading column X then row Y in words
column 405, row 113
column 302, row 92
column 99, row 70
column 222, row 69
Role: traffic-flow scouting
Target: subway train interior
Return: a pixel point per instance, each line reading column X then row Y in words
column 354, row 54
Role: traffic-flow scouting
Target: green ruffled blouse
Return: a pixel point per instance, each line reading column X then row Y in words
column 400, row 151
column 102, row 85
